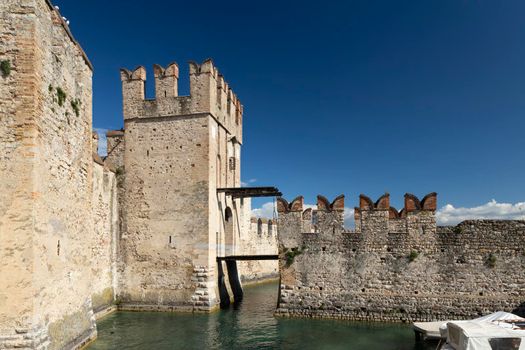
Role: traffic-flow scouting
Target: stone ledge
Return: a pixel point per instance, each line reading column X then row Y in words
column 167, row 308
column 83, row 340
column 105, row 312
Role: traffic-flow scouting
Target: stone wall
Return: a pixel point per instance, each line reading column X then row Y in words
column 260, row 238
column 115, row 149
column 397, row 266
column 104, row 243
column 49, row 242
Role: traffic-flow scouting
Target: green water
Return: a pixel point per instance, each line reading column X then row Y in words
column 250, row 326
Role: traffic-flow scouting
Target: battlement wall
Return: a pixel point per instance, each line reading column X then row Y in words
column 209, row 94
column 406, row 271
column 404, row 221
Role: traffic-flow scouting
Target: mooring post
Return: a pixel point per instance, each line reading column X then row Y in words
column 235, row 283
column 223, row 291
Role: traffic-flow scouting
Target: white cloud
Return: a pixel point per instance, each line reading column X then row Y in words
column 449, row 215
column 265, row 211
column 247, row 183
column 102, row 141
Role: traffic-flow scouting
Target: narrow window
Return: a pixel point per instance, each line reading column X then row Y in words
column 259, row 227
column 218, row 171
column 232, row 163
column 314, row 217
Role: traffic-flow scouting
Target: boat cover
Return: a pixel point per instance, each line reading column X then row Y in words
column 493, row 317
column 487, row 333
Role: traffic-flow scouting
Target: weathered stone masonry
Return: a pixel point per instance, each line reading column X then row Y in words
column 396, row 266
column 56, row 234
column 140, row 229
column 175, row 152
column 145, row 225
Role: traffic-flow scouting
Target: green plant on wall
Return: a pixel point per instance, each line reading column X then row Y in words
column 61, row 96
column 491, row 260
column 75, row 104
column 412, row 256
column 457, row 230
column 5, row 67
column 291, row 254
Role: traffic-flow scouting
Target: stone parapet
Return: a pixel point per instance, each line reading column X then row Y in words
column 209, row 94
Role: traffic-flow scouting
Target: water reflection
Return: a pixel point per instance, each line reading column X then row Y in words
column 249, row 325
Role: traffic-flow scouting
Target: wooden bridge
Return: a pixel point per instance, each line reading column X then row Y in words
column 247, row 257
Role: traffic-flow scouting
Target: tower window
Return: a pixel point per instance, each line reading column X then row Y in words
column 259, row 227
column 232, row 163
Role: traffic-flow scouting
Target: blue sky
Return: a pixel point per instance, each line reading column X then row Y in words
column 342, row 97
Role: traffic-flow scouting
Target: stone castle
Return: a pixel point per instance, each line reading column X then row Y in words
column 141, row 229
column 160, row 223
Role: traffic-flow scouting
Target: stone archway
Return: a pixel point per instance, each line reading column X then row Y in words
column 229, row 243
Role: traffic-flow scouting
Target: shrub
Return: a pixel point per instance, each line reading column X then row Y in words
column 291, row 254
column 491, row 260
column 61, row 96
column 5, row 67
column 412, row 256
column 75, row 104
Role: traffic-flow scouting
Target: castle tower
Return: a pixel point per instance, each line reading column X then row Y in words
column 178, row 151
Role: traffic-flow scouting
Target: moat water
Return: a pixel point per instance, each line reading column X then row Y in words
column 250, row 326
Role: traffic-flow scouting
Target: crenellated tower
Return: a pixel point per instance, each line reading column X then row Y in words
column 178, row 151
column 209, row 94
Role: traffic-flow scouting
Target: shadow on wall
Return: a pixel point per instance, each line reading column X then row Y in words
column 519, row 310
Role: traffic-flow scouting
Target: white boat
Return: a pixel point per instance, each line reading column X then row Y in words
column 497, row 331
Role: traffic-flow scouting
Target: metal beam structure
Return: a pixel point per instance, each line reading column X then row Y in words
column 245, row 192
